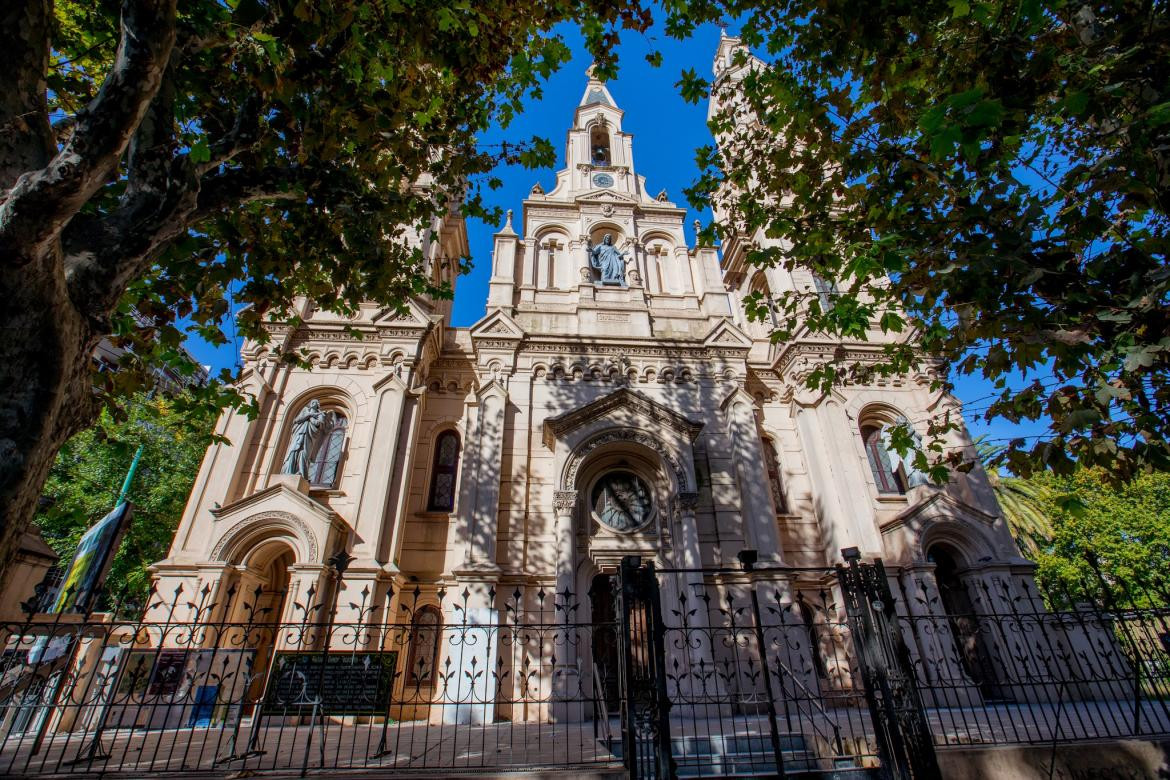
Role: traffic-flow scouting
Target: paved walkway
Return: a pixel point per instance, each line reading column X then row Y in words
column 374, row 750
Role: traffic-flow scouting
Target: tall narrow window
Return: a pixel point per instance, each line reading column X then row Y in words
column 814, row 639
column 551, row 247
column 426, row 628
column 327, row 458
column 442, row 497
column 760, row 284
column 774, row 480
column 888, row 479
column 826, row 292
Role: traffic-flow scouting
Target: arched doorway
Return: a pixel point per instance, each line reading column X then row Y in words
column 967, row 631
column 604, row 642
column 264, row 582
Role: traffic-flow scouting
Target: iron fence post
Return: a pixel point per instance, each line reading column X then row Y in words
column 748, row 559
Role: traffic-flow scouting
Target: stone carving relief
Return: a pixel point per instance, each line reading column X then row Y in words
column 624, row 435
column 265, row 520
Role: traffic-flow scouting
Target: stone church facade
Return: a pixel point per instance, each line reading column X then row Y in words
column 581, row 420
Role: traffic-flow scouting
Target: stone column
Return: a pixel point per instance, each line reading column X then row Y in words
column 564, row 504
column 371, row 508
column 568, row 678
column 479, row 494
column 759, row 516
column 699, row 684
column 374, row 518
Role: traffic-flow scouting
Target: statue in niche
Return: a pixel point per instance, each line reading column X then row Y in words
column 609, row 261
column 309, row 429
column 622, row 501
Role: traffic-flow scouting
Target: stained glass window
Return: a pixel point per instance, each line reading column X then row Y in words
column 888, row 480
column 323, row 469
column 443, row 475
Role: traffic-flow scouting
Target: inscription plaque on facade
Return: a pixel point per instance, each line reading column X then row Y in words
column 342, row 683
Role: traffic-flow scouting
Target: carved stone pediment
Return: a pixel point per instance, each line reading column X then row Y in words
column 414, row 317
column 496, row 333
column 619, row 400
column 726, row 336
column 280, row 507
column 606, row 196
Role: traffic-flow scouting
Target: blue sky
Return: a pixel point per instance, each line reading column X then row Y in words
column 667, row 131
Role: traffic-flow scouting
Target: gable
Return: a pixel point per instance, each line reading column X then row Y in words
column 625, row 399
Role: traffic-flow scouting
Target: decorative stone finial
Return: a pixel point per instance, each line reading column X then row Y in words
column 662, row 197
column 508, row 225
column 537, row 189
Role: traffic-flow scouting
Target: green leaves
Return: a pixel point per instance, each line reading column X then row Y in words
column 306, row 124
column 691, row 86
column 979, row 175
column 84, row 481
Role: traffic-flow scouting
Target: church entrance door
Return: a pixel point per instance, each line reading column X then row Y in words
column 604, row 641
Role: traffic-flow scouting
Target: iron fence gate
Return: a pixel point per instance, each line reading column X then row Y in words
column 903, row 738
column 738, row 671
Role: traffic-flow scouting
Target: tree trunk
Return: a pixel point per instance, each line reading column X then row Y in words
column 46, row 390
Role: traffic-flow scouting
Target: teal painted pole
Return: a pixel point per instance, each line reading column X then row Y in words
column 129, row 476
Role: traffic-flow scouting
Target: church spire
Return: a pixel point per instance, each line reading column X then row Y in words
column 596, row 93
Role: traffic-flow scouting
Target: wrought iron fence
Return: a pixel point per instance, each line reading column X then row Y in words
column 996, row 663
column 742, row 670
column 473, row 680
column 760, row 674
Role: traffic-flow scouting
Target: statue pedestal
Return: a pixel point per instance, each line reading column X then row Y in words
column 292, row 481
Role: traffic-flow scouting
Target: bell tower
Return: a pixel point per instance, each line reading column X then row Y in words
column 642, row 280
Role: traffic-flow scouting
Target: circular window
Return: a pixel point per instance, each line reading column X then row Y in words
column 622, row 501
column 602, row 180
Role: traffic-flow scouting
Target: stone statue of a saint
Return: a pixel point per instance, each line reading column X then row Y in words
column 308, row 429
column 606, row 258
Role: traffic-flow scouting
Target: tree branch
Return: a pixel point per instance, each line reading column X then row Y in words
column 243, row 134
column 26, row 141
column 43, row 201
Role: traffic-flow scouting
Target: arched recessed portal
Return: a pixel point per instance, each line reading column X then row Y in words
column 604, row 644
column 966, row 631
column 263, row 582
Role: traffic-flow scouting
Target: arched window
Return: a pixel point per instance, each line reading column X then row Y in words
column 893, row 471
column 599, row 147
column 826, row 292
column 814, row 640
column 551, row 255
column 324, row 466
column 773, row 463
column 443, row 473
column 426, row 630
column 759, row 284
column 888, row 479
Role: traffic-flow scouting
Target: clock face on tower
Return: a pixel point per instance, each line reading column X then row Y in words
column 602, row 180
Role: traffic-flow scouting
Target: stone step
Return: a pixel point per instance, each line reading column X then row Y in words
column 748, row 754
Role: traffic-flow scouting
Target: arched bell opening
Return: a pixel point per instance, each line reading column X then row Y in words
column 600, row 155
